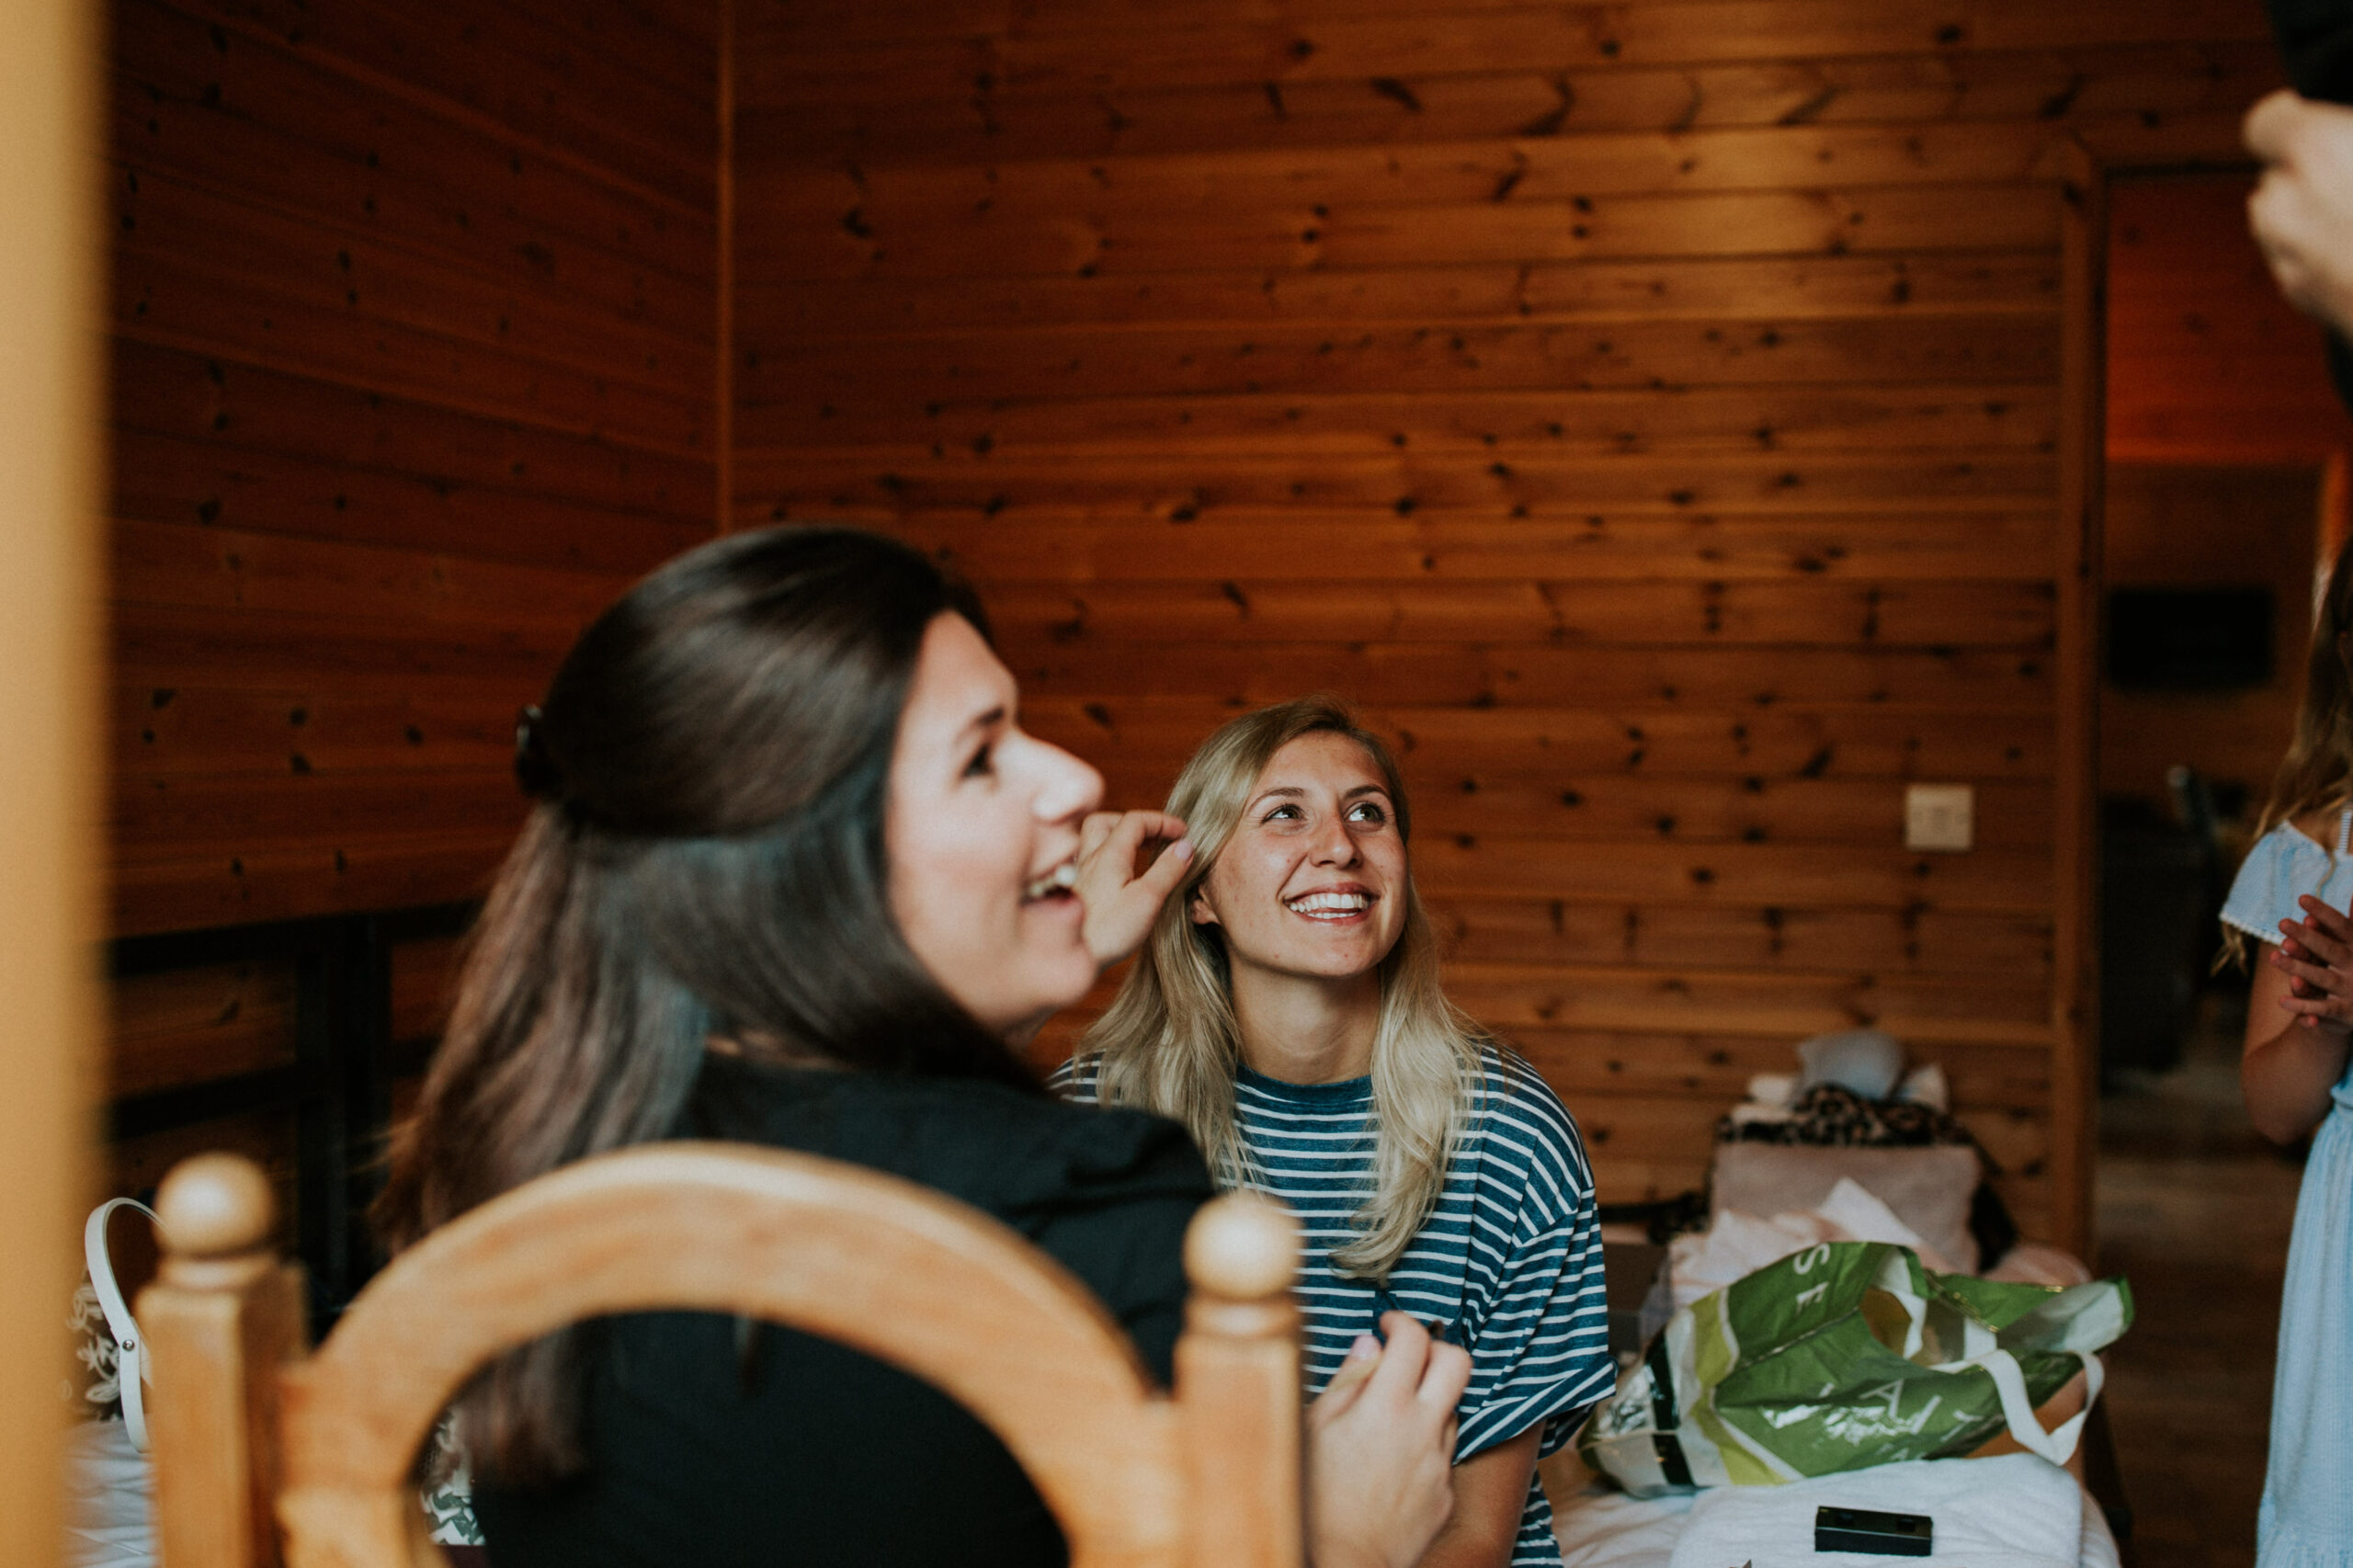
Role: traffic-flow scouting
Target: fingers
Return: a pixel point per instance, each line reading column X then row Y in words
column 2318, row 981
column 1134, row 827
column 1443, row 1382
column 2312, row 961
column 1403, row 1358
column 1348, row 1383
column 2271, row 218
column 1094, row 831
column 2299, row 949
column 2301, row 946
column 1415, row 1369
column 2308, row 974
column 2320, row 917
column 2319, row 1011
column 2269, row 125
column 1119, row 835
column 1167, row 868
column 2301, row 212
column 1120, row 905
column 2306, row 944
column 1159, row 824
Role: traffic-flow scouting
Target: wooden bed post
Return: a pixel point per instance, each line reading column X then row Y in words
column 221, row 1320
column 1237, row 1389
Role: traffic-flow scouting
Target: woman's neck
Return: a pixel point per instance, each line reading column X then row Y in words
column 1305, row 1029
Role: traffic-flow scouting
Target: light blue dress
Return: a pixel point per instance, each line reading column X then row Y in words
column 2306, row 1520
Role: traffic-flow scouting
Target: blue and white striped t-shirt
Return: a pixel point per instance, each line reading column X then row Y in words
column 1510, row 1261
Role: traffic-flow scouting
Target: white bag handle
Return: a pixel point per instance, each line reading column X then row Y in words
column 131, row 1351
column 2057, row 1446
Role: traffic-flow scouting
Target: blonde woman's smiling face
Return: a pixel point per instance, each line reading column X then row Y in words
column 1313, row 881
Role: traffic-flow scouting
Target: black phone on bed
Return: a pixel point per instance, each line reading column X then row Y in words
column 1866, row 1530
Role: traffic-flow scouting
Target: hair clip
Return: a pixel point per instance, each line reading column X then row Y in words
column 534, row 768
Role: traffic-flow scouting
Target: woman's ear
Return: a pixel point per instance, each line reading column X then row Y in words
column 1199, row 907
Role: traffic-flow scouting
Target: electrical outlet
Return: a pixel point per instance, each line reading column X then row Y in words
column 1940, row 816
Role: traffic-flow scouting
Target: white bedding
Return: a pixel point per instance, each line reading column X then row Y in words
column 109, row 1498
column 1989, row 1513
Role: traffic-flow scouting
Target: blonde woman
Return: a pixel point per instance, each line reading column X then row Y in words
column 1286, row 1008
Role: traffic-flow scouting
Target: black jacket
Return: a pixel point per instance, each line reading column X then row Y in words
column 707, row 1451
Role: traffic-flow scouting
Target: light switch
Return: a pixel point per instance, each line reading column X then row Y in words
column 1940, row 816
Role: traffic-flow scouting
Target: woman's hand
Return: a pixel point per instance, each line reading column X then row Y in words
column 2301, row 213
column 1121, row 900
column 1381, row 1450
column 2316, row 955
column 2296, row 1024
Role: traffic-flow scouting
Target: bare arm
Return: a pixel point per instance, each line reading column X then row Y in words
column 2298, row 1020
column 1490, row 1495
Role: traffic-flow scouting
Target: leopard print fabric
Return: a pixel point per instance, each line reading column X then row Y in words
column 1830, row 1116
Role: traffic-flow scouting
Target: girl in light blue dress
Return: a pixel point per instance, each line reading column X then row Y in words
column 2292, row 895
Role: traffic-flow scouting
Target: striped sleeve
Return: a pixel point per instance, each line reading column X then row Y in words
column 1541, row 1339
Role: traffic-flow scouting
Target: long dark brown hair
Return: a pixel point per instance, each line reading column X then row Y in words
column 706, row 862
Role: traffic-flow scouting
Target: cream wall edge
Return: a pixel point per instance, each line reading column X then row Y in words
column 49, row 811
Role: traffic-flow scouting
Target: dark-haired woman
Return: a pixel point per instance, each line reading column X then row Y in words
column 798, row 878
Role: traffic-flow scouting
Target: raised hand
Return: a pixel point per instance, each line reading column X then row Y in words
column 2301, row 213
column 2316, row 955
column 1122, row 901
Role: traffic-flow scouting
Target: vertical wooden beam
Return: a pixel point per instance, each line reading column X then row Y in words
column 2074, row 989
column 723, row 420
column 49, row 811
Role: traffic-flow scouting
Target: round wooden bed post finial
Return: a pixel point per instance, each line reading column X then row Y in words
column 214, row 1208
column 1241, row 1248
column 222, row 1317
column 1237, row 1387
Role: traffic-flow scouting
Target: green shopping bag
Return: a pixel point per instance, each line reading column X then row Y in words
column 1846, row 1354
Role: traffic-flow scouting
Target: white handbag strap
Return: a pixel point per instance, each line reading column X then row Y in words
column 2058, row 1445
column 131, row 1351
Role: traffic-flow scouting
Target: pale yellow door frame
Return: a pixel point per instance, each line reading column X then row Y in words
column 50, row 698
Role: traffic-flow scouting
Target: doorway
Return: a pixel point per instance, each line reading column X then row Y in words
column 2223, row 495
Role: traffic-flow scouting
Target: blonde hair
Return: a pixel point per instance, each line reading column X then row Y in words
column 1169, row 1042
column 2318, row 769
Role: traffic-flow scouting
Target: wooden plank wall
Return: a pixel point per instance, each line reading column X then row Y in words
column 413, row 325
column 414, row 313
column 1648, row 412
